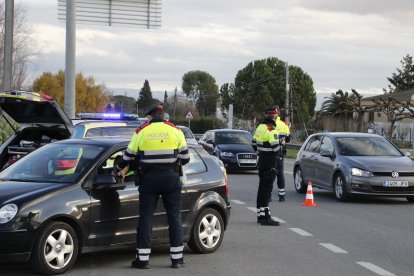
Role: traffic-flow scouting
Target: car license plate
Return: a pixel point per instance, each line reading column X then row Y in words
column 248, row 161
column 393, row 183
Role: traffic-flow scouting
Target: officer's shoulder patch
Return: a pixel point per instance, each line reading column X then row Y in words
column 142, row 127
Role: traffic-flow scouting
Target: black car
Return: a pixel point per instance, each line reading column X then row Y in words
column 61, row 200
column 233, row 147
column 354, row 164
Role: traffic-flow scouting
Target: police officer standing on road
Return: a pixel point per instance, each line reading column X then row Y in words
column 159, row 149
column 266, row 142
column 284, row 137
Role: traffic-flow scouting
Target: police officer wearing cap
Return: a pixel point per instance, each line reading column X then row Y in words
column 266, row 143
column 284, row 137
column 159, row 148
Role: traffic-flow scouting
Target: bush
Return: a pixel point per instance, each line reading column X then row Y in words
column 6, row 130
column 200, row 125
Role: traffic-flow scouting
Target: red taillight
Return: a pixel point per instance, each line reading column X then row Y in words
column 66, row 164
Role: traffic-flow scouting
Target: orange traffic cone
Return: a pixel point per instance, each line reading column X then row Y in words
column 309, row 197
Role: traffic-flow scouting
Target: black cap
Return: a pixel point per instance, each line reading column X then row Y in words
column 151, row 109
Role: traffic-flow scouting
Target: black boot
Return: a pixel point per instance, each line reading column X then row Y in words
column 140, row 264
column 177, row 263
column 281, row 198
column 267, row 219
column 260, row 219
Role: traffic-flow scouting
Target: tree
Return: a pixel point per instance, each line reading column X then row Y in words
column 24, row 46
column 262, row 83
column 90, row 97
column 201, row 87
column 404, row 78
column 124, row 104
column 145, row 99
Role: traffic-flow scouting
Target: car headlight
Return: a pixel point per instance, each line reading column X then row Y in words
column 359, row 172
column 226, row 154
column 7, row 213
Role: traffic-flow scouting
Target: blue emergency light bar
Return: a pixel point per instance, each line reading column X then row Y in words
column 108, row 116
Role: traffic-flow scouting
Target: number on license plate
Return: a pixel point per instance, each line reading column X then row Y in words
column 249, row 161
column 396, row 183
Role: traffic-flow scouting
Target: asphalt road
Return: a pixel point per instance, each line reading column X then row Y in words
column 367, row 236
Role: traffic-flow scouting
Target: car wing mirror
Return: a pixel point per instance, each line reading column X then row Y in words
column 408, row 154
column 107, row 181
column 210, row 142
column 326, row 153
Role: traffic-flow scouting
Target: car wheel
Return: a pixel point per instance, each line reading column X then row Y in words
column 340, row 189
column 208, row 231
column 410, row 199
column 298, row 180
column 55, row 249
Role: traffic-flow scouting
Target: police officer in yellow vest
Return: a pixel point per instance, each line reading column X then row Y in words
column 160, row 149
column 284, row 136
column 266, row 143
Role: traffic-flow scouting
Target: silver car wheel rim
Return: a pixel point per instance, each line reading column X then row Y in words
column 298, row 179
column 209, row 231
column 58, row 249
column 339, row 187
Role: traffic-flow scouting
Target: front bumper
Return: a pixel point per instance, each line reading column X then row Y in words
column 375, row 186
column 15, row 246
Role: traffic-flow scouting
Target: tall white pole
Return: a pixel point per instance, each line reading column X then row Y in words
column 230, row 117
column 287, row 95
column 70, row 66
column 8, row 46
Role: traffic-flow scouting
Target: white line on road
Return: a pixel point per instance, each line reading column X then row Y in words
column 237, row 201
column 275, row 218
column 375, row 269
column 301, row 232
column 288, row 172
column 333, row 248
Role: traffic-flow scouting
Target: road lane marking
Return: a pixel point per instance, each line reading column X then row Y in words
column 290, row 162
column 301, row 232
column 237, row 201
column 275, row 218
column 376, row 269
column 288, row 172
column 333, row 248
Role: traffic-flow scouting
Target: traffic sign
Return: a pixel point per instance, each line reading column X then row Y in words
column 189, row 115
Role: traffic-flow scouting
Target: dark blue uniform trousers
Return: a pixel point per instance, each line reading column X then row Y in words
column 168, row 185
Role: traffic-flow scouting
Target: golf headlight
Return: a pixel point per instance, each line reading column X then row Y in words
column 359, row 172
column 7, row 213
column 226, row 154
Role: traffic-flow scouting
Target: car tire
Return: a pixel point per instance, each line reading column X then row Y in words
column 208, row 231
column 55, row 249
column 410, row 199
column 339, row 187
column 300, row 186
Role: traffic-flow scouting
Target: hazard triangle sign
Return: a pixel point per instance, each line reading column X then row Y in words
column 189, row 115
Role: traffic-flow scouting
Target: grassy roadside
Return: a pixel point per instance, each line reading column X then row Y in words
column 291, row 153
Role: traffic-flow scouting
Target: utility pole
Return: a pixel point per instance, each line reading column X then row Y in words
column 175, row 99
column 8, row 45
column 287, row 95
column 70, row 67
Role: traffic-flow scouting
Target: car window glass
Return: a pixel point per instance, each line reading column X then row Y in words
column 53, row 163
column 196, row 164
column 208, row 136
column 125, row 132
column 94, row 132
column 107, row 167
column 313, row 144
column 366, row 146
column 233, row 138
column 327, row 145
column 187, row 132
column 78, row 131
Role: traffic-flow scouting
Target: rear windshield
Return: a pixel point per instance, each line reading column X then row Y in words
column 366, row 146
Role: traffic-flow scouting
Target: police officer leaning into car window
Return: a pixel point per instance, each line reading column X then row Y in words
column 159, row 149
column 284, row 137
column 266, row 143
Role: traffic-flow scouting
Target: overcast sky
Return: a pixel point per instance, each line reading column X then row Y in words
column 341, row 44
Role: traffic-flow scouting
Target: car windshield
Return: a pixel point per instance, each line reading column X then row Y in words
column 187, row 132
column 60, row 163
column 366, row 146
column 233, row 138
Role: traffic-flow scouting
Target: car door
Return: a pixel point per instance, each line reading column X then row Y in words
column 309, row 157
column 325, row 165
column 114, row 212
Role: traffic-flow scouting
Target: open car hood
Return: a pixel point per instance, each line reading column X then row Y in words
column 29, row 108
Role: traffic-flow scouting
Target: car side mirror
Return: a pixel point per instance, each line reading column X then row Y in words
column 408, row 154
column 326, row 153
column 210, row 142
column 107, row 181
